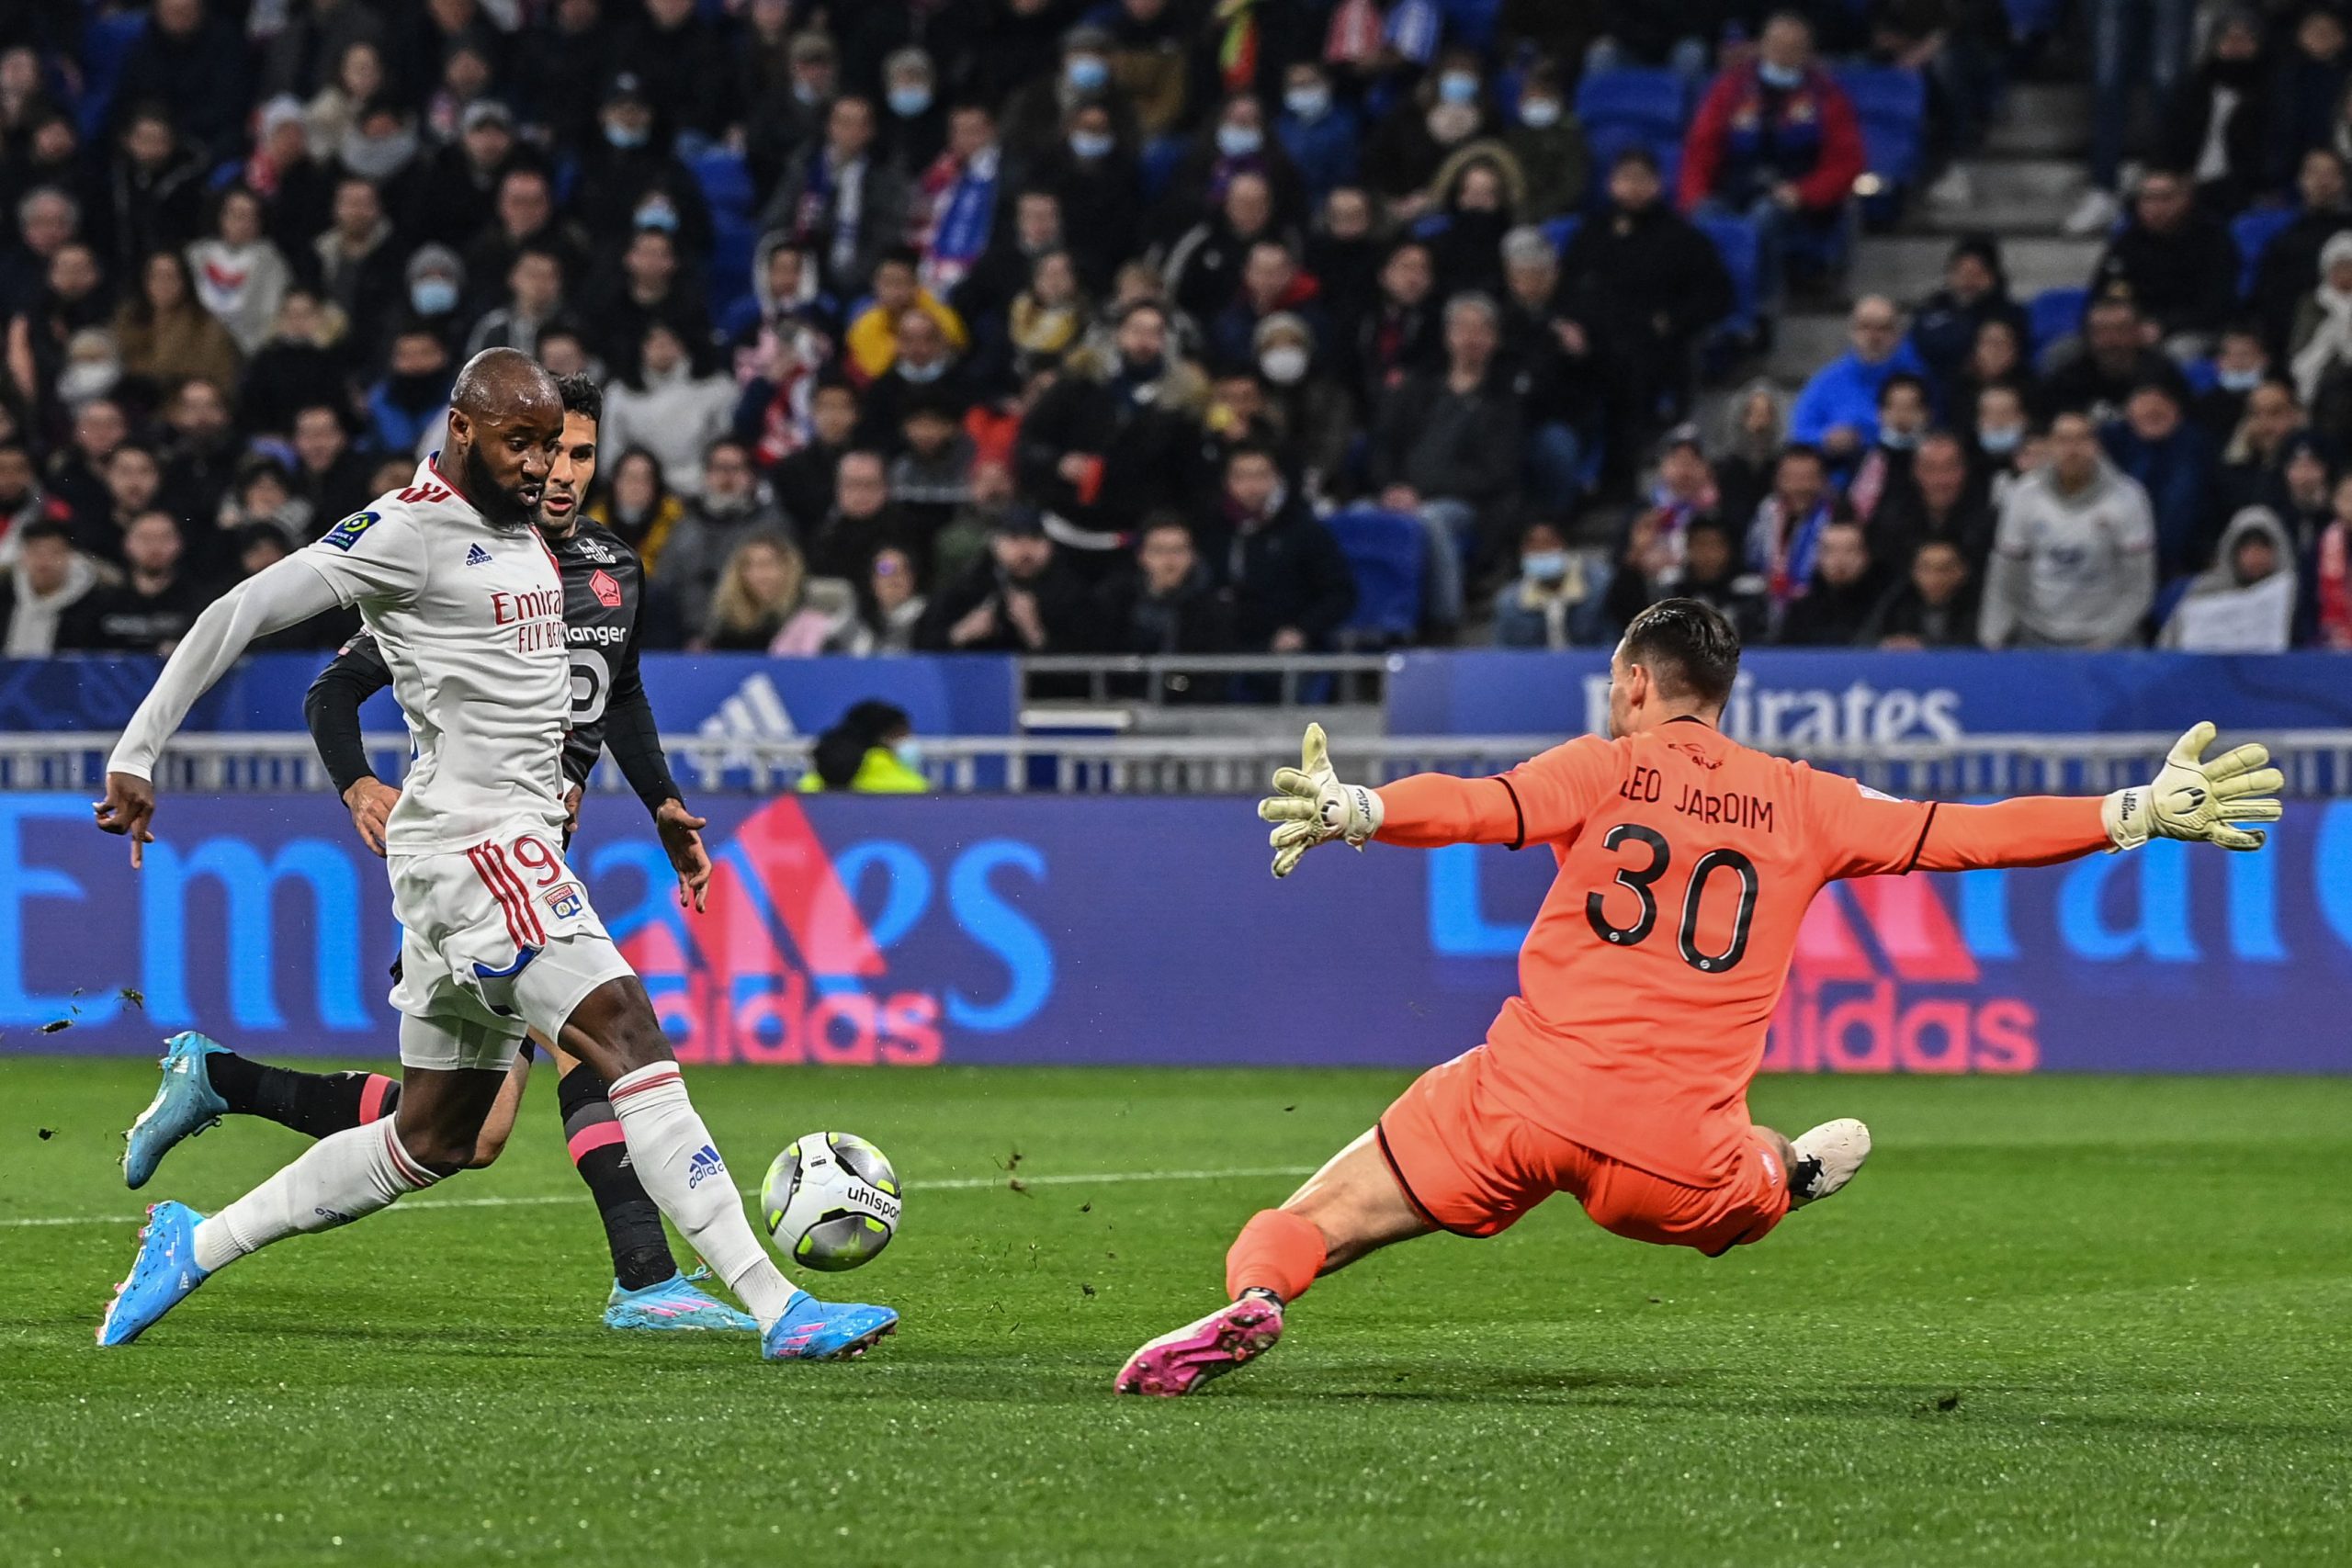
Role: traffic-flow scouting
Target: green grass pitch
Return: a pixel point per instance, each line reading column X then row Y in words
column 2056, row 1322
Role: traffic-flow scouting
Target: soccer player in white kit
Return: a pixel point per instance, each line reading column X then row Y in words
column 467, row 609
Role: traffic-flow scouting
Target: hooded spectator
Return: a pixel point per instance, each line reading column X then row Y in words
column 2245, row 602
column 871, row 750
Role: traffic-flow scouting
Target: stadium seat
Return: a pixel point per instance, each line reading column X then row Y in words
column 726, row 180
column 1892, row 105
column 733, row 242
column 1157, row 166
column 1561, row 231
column 2254, row 232
column 1649, row 100
column 107, row 44
column 1735, row 241
column 2032, row 19
column 2053, row 314
column 1470, row 23
column 1384, row 551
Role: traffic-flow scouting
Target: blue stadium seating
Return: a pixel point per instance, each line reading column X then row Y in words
column 726, row 180
column 2053, row 314
column 1470, row 23
column 1735, row 241
column 734, row 239
column 1560, row 231
column 1384, row 551
column 1649, row 100
column 2254, row 232
column 1892, row 104
column 107, row 44
column 2032, row 19
column 1156, row 168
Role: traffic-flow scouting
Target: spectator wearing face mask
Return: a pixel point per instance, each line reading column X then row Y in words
column 1557, row 601
column 1272, row 282
column 913, row 121
column 1239, row 141
column 1092, row 171
column 630, row 179
column 1322, row 135
column 1549, row 147
column 2239, row 367
column 871, row 751
column 1999, row 432
column 1775, row 140
column 1885, row 467
column 1448, row 111
column 1038, row 114
column 1311, row 413
column 436, row 284
column 2245, row 602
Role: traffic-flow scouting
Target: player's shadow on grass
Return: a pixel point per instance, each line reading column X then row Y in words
column 1465, row 1385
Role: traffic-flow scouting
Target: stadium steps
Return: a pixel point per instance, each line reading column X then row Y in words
column 2028, row 180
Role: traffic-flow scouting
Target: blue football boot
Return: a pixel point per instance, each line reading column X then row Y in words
column 160, row 1277
column 184, row 1105
column 674, row 1305
column 811, row 1330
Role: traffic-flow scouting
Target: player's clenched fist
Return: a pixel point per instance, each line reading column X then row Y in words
column 2194, row 798
column 1312, row 807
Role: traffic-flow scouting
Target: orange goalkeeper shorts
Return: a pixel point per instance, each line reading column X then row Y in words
column 1472, row 1163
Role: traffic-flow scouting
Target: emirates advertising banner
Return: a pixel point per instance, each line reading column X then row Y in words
column 902, row 933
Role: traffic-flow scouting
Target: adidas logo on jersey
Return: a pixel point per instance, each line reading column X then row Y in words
column 477, row 556
column 705, row 1164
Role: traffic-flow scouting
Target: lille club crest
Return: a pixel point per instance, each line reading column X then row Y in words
column 607, row 591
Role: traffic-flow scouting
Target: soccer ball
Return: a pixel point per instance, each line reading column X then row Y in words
column 832, row 1201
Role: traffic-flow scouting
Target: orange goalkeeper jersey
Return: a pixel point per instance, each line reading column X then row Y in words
column 1686, row 863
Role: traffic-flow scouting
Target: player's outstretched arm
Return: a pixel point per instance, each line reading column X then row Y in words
column 1311, row 807
column 283, row 595
column 2192, row 798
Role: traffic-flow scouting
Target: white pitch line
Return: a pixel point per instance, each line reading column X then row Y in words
column 951, row 1184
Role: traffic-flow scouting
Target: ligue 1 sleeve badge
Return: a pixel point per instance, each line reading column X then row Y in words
column 607, row 591
column 346, row 533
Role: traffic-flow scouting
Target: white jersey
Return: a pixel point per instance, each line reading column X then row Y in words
column 468, row 617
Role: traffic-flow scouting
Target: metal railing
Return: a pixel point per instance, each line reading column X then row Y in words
column 1291, row 679
column 2318, row 764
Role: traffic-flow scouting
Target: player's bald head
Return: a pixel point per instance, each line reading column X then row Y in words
column 503, row 384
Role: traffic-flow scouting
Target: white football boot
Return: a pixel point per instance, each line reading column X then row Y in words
column 1827, row 1157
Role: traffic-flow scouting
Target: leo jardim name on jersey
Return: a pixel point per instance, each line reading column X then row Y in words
column 1859, row 714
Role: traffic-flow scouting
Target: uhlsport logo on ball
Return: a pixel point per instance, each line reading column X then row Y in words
column 831, row 1201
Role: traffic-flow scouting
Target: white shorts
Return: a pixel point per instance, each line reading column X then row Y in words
column 494, row 940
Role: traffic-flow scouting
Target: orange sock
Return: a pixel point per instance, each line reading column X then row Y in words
column 1276, row 1251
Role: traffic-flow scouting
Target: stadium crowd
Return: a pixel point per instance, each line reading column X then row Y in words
column 1165, row 325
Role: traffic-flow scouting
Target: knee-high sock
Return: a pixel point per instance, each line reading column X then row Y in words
column 600, row 1154
column 673, row 1156
column 337, row 1180
column 1276, row 1251
column 314, row 1104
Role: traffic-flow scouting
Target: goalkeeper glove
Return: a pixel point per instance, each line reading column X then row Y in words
column 1313, row 807
column 2197, row 799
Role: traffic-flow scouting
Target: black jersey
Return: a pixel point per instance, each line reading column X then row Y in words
column 604, row 596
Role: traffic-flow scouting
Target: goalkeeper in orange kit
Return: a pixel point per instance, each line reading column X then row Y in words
column 1619, row 1073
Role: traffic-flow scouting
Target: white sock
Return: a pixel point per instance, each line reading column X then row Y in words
column 339, row 1178
column 672, row 1155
